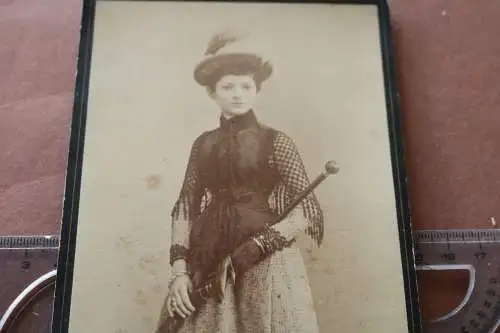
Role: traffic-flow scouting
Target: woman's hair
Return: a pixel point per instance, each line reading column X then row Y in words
column 237, row 65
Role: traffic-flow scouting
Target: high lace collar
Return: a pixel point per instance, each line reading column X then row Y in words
column 239, row 122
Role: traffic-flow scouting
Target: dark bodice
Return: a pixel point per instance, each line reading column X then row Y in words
column 240, row 176
column 236, row 173
column 236, row 159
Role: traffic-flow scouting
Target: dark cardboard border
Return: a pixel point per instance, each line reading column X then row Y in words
column 62, row 302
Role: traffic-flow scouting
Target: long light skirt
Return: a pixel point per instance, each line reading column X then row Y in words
column 272, row 297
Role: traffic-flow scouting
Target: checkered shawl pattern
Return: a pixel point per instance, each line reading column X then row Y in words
column 284, row 158
column 192, row 198
column 287, row 160
column 192, row 201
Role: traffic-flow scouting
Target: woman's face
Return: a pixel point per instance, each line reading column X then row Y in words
column 235, row 94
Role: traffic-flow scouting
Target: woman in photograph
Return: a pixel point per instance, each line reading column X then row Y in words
column 240, row 177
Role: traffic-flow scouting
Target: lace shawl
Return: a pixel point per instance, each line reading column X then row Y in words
column 285, row 158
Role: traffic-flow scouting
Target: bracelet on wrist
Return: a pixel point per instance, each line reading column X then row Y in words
column 271, row 240
column 178, row 274
column 259, row 244
column 177, row 252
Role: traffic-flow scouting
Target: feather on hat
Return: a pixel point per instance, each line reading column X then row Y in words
column 227, row 49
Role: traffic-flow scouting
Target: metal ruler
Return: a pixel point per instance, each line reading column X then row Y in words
column 28, row 274
column 28, row 264
column 476, row 252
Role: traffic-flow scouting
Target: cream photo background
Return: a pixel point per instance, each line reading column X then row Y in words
column 145, row 110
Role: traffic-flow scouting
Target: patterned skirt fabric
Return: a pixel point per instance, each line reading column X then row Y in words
column 272, row 297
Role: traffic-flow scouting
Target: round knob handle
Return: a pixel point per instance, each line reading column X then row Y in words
column 331, row 167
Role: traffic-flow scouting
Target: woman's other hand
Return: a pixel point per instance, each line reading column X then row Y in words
column 178, row 298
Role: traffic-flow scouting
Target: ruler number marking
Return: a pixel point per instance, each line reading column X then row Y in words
column 480, row 255
column 25, row 264
column 491, row 292
column 481, row 314
column 449, row 256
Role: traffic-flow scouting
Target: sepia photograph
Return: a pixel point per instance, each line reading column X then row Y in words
column 238, row 170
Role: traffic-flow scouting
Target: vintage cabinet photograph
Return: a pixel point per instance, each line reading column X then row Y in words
column 236, row 167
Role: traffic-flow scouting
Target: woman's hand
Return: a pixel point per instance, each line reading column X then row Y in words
column 178, row 299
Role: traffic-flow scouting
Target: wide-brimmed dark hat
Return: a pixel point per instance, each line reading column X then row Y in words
column 232, row 50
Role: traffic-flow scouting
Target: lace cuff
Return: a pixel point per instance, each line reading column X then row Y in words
column 177, row 252
column 271, row 240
